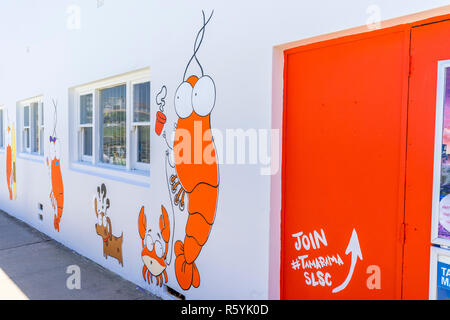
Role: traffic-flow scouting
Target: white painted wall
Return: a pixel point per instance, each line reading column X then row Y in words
column 123, row 36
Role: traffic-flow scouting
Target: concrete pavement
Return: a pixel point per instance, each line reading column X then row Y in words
column 46, row 277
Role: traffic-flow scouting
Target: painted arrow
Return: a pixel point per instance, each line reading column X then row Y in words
column 353, row 248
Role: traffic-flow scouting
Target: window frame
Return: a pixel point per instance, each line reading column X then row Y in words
column 40, row 126
column 134, row 128
column 82, row 156
column 99, row 128
column 132, row 170
column 435, row 253
column 3, row 129
column 26, row 146
column 439, row 126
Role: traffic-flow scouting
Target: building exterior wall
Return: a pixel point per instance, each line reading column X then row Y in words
column 44, row 54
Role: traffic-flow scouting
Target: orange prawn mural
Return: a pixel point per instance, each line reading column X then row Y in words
column 9, row 163
column 196, row 178
column 154, row 251
column 54, row 165
column 10, row 159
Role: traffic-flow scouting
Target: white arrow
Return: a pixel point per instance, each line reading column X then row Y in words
column 354, row 248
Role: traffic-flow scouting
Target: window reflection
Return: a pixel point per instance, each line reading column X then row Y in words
column 113, row 113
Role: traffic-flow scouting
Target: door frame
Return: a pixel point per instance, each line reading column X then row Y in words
column 401, row 192
column 278, row 188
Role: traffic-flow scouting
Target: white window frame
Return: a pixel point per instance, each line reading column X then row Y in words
column 24, row 151
column 134, row 148
column 41, row 125
column 440, row 97
column 133, row 171
column 434, row 256
column 26, row 146
column 3, row 140
column 82, row 156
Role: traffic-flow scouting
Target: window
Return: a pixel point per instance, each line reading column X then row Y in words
column 441, row 184
column 141, row 123
column 113, row 121
column 32, row 126
column 113, row 125
column 86, row 126
column 2, row 132
column 26, row 128
column 41, row 128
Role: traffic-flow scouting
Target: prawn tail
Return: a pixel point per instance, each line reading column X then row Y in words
column 59, row 210
column 9, row 172
column 56, row 221
column 186, row 273
column 202, row 209
column 10, row 191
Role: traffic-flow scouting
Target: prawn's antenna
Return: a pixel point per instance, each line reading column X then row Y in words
column 197, row 43
column 55, row 103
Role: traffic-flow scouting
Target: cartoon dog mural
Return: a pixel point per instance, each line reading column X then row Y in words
column 154, row 252
column 112, row 246
column 54, row 165
column 197, row 178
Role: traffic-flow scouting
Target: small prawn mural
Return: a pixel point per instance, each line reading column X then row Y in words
column 155, row 251
column 196, row 179
column 112, row 245
column 10, row 138
column 53, row 163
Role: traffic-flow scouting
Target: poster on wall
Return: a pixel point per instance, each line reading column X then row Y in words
column 443, row 278
column 444, row 195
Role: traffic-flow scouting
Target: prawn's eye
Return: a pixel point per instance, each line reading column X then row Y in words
column 204, row 96
column 183, row 102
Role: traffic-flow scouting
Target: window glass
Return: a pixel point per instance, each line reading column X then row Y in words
column 113, row 114
column 87, row 141
column 26, row 116
column 444, row 210
column 86, row 109
column 143, row 144
column 26, row 138
column 141, row 102
column 41, row 121
column 34, row 128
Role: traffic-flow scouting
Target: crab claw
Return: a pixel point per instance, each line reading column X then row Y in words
column 142, row 223
column 164, row 224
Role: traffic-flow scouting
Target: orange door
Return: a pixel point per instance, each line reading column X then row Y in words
column 429, row 45
column 344, row 167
